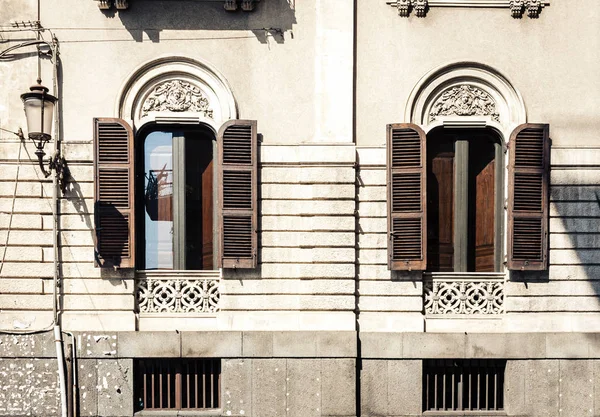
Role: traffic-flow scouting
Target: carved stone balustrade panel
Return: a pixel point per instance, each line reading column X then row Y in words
column 451, row 294
column 177, row 292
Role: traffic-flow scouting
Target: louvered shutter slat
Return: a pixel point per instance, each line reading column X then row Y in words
column 528, row 197
column 406, row 173
column 113, row 193
column 238, row 194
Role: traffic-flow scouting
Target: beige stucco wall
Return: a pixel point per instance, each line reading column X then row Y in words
column 323, row 208
column 289, row 66
column 100, row 50
column 552, row 61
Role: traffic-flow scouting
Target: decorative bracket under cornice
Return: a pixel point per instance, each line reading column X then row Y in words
column 229, row 5
column 517, row 8
column 247, row 5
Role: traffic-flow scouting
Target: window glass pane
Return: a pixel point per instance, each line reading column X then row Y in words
column 158, row 200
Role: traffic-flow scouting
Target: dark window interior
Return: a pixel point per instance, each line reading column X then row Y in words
column 177, row 384
column 461, row 201
column 463, row 384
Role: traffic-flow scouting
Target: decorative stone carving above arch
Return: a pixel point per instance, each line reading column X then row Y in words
column 176, row 89
column 465, row 94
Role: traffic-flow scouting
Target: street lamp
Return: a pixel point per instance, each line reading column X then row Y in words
column 39, row 112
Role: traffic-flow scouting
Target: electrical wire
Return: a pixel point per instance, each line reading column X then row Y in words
column 12, row 209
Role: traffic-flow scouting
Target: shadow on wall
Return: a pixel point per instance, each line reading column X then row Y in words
column 574, row 264
column 270, row 18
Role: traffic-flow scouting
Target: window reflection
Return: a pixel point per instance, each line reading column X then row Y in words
column 158, row 196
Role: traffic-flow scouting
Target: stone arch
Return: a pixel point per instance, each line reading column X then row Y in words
column 178, row 90
column 466, row 94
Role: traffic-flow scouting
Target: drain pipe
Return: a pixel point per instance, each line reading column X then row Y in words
column 61, row 369
column 60, row 357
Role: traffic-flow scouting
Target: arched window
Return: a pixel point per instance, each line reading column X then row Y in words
column 176, row 173
column 447, row 202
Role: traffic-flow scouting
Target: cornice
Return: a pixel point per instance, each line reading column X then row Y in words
column 517, row 8
column 229, row 5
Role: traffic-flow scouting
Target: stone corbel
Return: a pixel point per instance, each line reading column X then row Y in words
column 405, row 6
column 121, row 4
column 230, row 5
column 107, row 4
column 533, row 7
column 247, row 5
column 104, row 4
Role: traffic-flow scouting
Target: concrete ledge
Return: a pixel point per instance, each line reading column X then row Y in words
column 480, row 345
column 149, row 344
column 219, row 344
column 211, row 344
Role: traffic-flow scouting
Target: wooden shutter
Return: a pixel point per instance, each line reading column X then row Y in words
column 528, row 185
column 407, row 186
column 238, row 200
column 114, row 209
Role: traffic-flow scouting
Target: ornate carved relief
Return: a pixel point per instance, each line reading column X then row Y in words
column 464, row 297
column 173, row 295
column 464, row 100
column 177, row 96
column 517, row 7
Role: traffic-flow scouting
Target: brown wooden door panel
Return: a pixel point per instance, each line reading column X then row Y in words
column 484, row 218
column 440, row 214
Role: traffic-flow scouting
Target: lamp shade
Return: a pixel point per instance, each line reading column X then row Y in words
column 39, row 111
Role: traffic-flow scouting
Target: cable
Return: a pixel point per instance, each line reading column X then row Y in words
column 12, row 208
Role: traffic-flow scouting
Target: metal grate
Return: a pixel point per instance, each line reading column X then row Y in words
column 177, row 384
column 463, row 385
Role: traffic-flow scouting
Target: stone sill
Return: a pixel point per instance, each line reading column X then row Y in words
column 431, row 316
column 567, row 345
column 463, row 413
column 217, row 412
